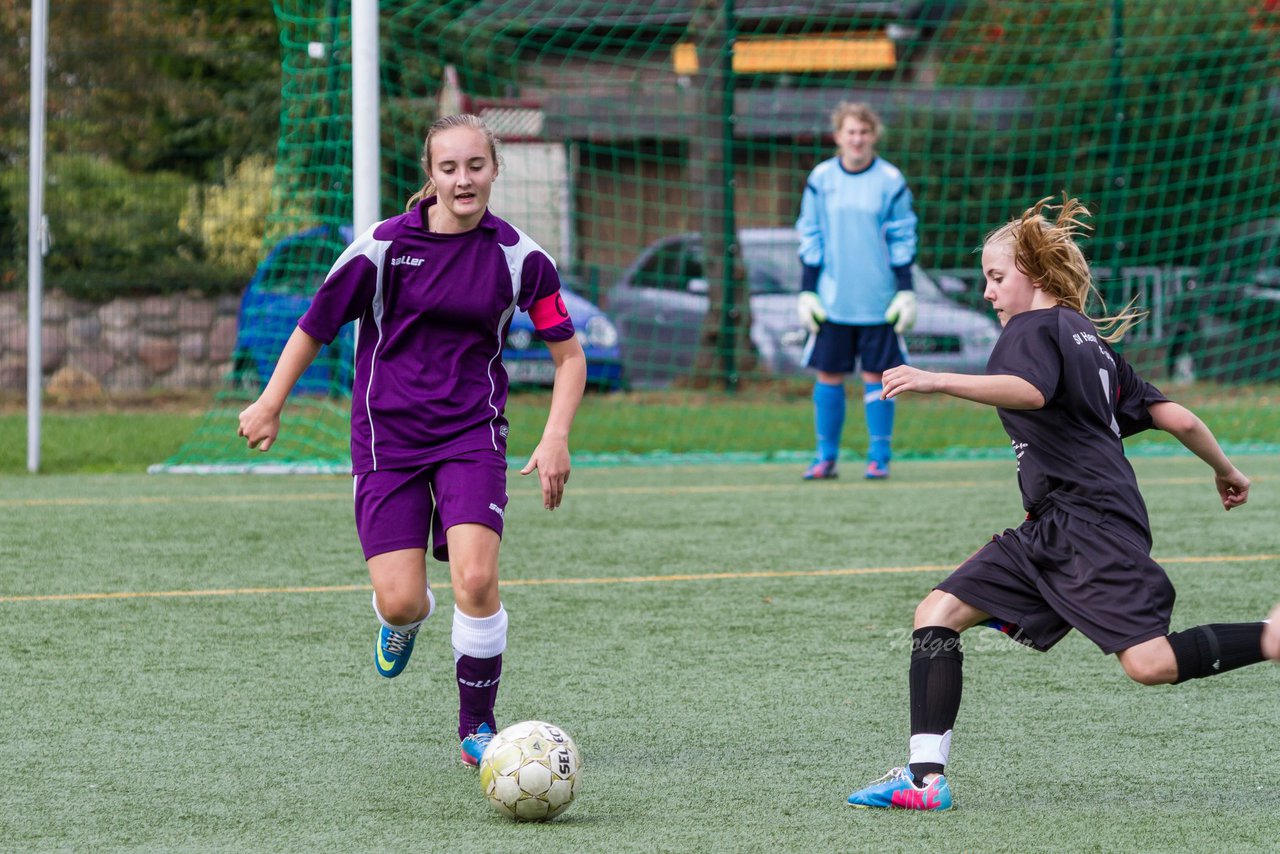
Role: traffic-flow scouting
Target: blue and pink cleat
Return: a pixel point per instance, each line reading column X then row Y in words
column 877, row 471
column 821, row 470
column 473, row 745
column 897, row 790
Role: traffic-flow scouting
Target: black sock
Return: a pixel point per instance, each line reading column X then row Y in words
column 936, row 674
column 1216, row 648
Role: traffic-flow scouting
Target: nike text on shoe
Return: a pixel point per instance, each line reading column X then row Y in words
column 392, row 651
column 877, row 471
column 821, row 470
column 896, row 789
column 473, row 745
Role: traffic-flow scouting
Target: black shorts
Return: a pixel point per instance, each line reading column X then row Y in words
column 837, row 348
column 1061, row 572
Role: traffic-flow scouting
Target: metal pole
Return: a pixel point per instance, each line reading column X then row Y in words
column 1118, row 182
column 36, row 229
column 729, row 308
column 364, row 114
column 365, row 132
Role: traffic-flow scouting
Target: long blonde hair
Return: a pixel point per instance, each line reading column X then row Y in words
column 444, row 123
column 1047, row 253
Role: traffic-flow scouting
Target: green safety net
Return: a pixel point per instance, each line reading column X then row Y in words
column 658, row 150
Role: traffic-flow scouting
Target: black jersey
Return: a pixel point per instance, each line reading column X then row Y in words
column 1070, row 452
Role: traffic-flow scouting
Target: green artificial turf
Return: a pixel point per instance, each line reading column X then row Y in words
column 727, row 645
column 760, row 425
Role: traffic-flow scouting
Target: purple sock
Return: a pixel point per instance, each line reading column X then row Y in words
column 477, row 692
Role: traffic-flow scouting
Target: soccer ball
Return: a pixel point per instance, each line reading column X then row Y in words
column 531, row 771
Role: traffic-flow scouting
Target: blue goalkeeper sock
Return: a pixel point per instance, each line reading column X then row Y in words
column 879, row 423
column 828, row 418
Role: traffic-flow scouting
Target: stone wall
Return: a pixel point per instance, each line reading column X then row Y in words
column 181, row 341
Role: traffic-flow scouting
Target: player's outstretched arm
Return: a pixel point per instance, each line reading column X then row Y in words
column 1003, row 390
column 1187, row 428
column 260, row 421
column 551, row 457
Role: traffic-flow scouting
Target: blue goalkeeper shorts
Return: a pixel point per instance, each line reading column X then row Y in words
column 838, row 348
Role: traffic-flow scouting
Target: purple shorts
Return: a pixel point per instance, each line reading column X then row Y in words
column 407, row 508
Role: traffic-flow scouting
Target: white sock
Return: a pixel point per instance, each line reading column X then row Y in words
column 933, row 749
column 479, row 637
column 431, row 607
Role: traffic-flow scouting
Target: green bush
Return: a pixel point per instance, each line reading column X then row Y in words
column 103, row 217
column 117, row 232
column 160, row 277
column 229, row 219
column 10, row 240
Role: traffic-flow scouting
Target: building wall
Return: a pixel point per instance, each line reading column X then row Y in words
column 532, row 192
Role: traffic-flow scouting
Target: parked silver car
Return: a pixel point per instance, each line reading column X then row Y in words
column 660, row 300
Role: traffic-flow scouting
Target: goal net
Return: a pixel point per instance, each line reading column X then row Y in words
column 659, row 150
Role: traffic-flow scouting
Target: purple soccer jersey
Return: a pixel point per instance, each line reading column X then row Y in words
column 434, row 310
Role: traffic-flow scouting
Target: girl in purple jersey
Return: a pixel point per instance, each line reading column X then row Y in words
column 1082, row 559
column 434, row 290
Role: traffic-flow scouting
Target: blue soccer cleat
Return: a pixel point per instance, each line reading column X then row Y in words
column 821, row 470
column 896, row 789
column 391, row 652
column 473, row 745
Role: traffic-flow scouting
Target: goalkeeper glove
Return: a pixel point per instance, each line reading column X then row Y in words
column 810, row 310
column 902, row 311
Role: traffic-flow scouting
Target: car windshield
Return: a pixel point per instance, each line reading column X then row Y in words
column 773, row 267
column 925, row 287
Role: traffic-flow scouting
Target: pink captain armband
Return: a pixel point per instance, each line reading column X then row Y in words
column 548, row 312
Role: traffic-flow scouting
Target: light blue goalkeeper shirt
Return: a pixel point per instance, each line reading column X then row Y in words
column 856, row 227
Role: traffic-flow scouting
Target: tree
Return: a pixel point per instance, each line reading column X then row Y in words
column 176, row 85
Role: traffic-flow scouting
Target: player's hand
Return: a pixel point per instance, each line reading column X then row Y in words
column 551, row 459
column 906, row 378
column 259, row 424
column 902, row 311
column 1233, row 488
column 1271, row 635
column 810, row 311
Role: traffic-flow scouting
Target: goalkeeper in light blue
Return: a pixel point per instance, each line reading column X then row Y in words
column 857, row 235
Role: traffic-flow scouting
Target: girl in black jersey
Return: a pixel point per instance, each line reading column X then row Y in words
column 1082, row 559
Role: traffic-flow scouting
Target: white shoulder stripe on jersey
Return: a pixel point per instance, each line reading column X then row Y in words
column 376, row 252
column 363, row 245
